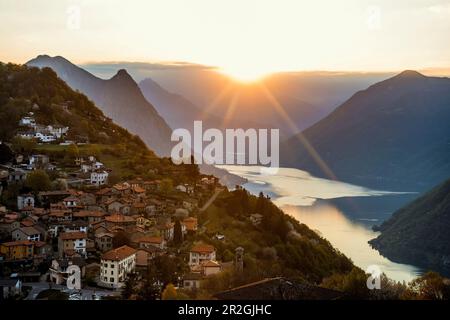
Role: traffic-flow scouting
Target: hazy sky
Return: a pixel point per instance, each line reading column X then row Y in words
column 243, row 37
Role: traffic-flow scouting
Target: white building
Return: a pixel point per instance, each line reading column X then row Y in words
column 38, row 160
column 116, row 264
column 91, row 166
column 74, row 241
column 44, row 137
column 26, row 233
column 201, row 253
column 25, row 200
column 99, row 177
column 28, row 121
column 57, row 131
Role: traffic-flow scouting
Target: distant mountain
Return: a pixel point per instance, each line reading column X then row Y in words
column 179, row 112
column 306, row 97
column 418, row 233
column 237, row 106
column 119, row 98
column 393, row 135
column 174, row 108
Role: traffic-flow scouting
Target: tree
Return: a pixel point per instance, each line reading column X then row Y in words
column 72, row 151
column 260, row 204
column 177, row 233
column 192, row 170
column 354, row 283
column 166, row 185
column 167, row 269
column 169, row 293
column 430, row 286
column 150, row 290
column 22, row 145
column 38, row 180
column 6, row 154
column 128, row 289
column 93, row 150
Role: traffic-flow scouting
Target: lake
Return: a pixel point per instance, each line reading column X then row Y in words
column 310, row 200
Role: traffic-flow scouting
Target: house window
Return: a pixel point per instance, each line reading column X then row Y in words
column 112, row 272
column 111, row 279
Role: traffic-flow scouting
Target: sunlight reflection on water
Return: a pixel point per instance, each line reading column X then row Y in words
column 296, row 192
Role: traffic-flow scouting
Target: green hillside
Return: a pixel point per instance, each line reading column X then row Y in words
column 418, row 233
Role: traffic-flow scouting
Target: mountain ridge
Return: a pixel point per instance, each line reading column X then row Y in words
column 113, row 96
column 417, row 233
column 393, row 135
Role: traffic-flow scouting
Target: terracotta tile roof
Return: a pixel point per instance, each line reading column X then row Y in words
column 27, row 223
column 103, row 191
column 149, row 239
column 29, row 230
column 53, row 193
column 88, row 213
column 138, row 189
column 118, row 218
column 119, row 253
column 203, row 248
column 39, row 244
column 73, row 235
column 11, row 216
column 58, row 213
column 104, row 234
column 17, row 243
column 190, row 223
column 112, row 201
column 211, row 263
column 71, row 198
column 39, row 211
column 121, row 186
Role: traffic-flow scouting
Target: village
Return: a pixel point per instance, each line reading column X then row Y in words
column 111, row 230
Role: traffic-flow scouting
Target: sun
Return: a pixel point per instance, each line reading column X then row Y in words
column 245, row 75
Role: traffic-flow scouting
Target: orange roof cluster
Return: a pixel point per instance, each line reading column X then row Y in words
column 103, row 191
column 73, row 235
column 203, row 248
column 138, row 189
column 190, row 223
column 88, row 213
column 118, row 254
column 121, row 186
column 117, row 218
column 58, row 213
